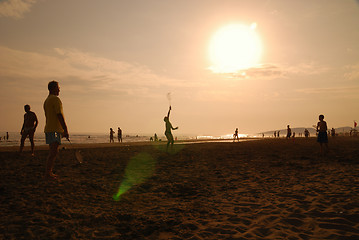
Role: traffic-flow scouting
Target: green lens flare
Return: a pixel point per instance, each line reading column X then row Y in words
column 171, row 150
column 137, row 171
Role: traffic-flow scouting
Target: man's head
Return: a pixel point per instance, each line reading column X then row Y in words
column 27, row 108
column 321, row 117
column 54, row 88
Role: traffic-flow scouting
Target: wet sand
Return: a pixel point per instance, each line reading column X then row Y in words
column 266, row 189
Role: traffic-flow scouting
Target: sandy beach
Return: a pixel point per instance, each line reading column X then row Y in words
column 264, row 189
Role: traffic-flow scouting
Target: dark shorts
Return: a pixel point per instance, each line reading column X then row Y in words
column 52, row 137
column 28, row 132
column 322, row 137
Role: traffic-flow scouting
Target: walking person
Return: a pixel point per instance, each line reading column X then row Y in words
column 28, row 128
column 289, row 132
column 235, row 135
column 111, row 135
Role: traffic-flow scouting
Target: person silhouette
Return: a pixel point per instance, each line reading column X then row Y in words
column 235, row 135
column 289, row 132
column 169, row 127
column 322, row 133
column 28, row 128
column 55, row 126
column 333, row 132
column 111, row 135
column 119, row 135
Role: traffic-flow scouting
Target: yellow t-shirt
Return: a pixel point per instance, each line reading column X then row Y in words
column 52, row 107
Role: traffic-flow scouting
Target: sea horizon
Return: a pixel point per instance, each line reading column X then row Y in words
column 95, row 138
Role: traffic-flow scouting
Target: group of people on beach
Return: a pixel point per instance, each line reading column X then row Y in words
column 56, row 128
column 322, row 137
column 321, row 128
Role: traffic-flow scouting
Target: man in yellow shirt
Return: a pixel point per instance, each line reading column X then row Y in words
column 55, row 127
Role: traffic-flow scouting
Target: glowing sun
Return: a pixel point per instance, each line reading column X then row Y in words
column 235, row 47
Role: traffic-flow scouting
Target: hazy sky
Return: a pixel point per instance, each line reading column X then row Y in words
column 116, row 60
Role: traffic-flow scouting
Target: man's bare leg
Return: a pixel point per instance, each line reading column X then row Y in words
column 53, row 151
column 23, row 137
column 32, row 145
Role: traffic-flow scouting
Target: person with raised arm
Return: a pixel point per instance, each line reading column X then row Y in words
column 168, row 131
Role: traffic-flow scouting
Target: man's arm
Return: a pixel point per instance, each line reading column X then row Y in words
column 168, row 115
column 63, row 124
column 36, row 122
column 174, row 128
column 23, row 125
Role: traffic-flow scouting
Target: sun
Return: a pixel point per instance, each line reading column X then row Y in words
column 235, row 47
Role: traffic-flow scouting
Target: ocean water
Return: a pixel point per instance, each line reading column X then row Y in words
column 39, row 139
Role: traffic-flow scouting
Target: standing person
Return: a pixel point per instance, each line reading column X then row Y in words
column 322, row 133
column 119, row 135
column 55, row 127
column 278, row 134
column 289, row 132
column 169, row 127
column 28, row 128
column 111, row 135
column 235, row 135
column 275, row 134
column 333, row 132
column 7, row 136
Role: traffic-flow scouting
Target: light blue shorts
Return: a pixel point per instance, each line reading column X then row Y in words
column 52, row 137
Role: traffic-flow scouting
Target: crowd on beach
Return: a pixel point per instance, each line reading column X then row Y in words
column 321, row 129
column 56, row 128
column 217, row 191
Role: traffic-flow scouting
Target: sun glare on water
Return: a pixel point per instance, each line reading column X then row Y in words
column 235, row 47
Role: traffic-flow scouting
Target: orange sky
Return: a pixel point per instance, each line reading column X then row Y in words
column 117, row 60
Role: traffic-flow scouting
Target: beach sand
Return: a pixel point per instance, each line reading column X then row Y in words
column 263, row 189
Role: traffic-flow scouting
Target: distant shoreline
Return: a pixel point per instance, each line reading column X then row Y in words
column 116, row 144
column 66, row 145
